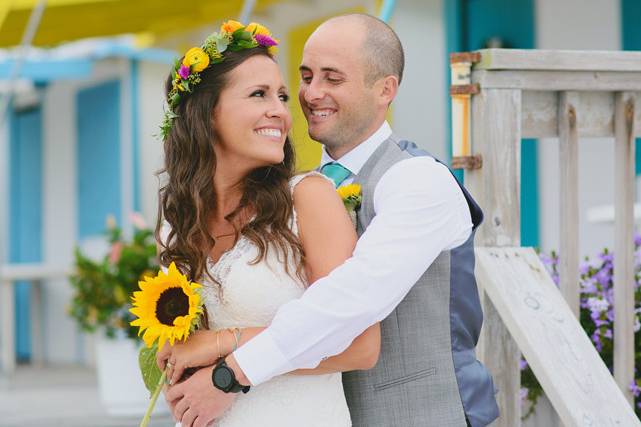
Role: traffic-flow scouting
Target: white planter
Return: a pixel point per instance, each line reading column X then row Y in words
column 122, row 391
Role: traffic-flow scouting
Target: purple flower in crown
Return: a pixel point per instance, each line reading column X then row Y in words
column 184, row 72
column 265, row 40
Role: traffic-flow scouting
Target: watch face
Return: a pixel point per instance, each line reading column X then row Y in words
column 222, row 378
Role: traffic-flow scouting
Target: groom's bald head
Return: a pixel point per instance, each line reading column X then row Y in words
column 381, row 49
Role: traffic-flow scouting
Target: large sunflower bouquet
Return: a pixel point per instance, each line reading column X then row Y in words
column 168, row 309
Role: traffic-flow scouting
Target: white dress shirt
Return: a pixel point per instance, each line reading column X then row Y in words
column 420, row 211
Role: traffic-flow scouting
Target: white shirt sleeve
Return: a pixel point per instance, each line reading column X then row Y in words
column 420, row 211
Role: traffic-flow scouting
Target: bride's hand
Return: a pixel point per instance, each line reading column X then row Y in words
column 200, row 349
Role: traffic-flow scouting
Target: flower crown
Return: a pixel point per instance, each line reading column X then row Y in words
column 234, row 37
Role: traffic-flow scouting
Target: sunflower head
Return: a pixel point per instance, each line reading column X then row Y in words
column 168, row 307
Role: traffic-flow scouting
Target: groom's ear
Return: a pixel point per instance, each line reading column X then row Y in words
column 388, row 87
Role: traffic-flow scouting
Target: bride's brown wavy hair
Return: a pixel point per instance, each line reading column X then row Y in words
column 187, row 197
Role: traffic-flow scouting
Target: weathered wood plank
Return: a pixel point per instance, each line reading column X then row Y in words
column 496, row 135
column 565, row 362
column 558, row 80
column 569, row 200
column 624, row 282
column 7, row 335
column 560, row 60
column 596, row 109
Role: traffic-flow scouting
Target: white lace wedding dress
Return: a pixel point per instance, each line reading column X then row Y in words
column 249, row 296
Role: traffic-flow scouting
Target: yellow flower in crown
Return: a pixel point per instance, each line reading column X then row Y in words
column 168, row 307
column 230, row 26
column 256, row 28
column 196, row 59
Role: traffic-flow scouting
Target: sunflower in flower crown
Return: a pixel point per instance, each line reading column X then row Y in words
column 168, row 307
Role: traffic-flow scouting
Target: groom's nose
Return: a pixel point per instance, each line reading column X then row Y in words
column 312, row 91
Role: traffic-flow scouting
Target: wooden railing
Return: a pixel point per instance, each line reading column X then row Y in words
column 9, row 276
column 571, row 95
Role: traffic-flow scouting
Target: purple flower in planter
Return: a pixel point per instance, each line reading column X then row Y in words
column 597, row 305
column 637, row 239
column 596, row 339
column 588, row 286
column 523, row 393
column 607, row 257
column 603, row 277
column 522, row 364
column 584, row 268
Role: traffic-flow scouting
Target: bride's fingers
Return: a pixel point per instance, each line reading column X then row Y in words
column 176, row 373
column 171, row 372
column 162, row 356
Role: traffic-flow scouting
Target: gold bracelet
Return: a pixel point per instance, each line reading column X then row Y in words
column 236, row 334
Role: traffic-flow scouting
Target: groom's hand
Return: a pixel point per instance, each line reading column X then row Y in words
column 195, row 402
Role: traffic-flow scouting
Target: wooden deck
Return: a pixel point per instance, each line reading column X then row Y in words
column 58, row 397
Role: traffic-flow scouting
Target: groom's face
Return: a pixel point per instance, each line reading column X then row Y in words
column 338, row 105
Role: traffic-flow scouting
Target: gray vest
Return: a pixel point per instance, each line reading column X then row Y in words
column 427, row 373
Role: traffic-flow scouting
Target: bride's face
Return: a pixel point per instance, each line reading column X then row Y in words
column 252, row 119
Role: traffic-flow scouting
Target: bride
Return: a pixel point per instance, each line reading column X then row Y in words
column 234, row 217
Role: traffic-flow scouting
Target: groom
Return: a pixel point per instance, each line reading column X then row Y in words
column 413, row 266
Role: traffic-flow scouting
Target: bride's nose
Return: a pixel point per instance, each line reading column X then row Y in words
column 277, row 109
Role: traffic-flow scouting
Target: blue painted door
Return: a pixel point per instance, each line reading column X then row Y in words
column 631, row 40
column 98, row 158
column 25, row 212
column 476, row 24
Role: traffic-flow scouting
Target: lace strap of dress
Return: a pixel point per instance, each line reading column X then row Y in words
column 293, row 182
column 296, row 179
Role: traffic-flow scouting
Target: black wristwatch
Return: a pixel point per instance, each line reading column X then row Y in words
column 224, row 379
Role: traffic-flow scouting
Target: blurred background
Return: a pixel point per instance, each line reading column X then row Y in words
column 81, row 99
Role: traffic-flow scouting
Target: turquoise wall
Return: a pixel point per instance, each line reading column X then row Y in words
column 470, row 25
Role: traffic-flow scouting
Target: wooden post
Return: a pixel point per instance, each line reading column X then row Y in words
column 7, row 335
column 496, row 135
column 569, row 203
column 37, row 338
column 624, row 314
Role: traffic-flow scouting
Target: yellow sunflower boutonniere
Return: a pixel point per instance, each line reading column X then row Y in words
column 352, row 197
column 168, row 308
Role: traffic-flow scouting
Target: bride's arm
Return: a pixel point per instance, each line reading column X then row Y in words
column 328, row 238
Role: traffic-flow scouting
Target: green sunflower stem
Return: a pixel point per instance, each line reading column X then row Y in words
column 154, row 397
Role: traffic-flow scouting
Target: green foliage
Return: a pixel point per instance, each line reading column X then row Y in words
column 148, row 368
column 102, row 289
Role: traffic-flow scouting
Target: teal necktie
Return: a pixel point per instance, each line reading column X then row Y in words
column 336, row 172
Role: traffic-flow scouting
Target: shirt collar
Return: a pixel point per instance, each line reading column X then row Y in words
column 356, row 158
